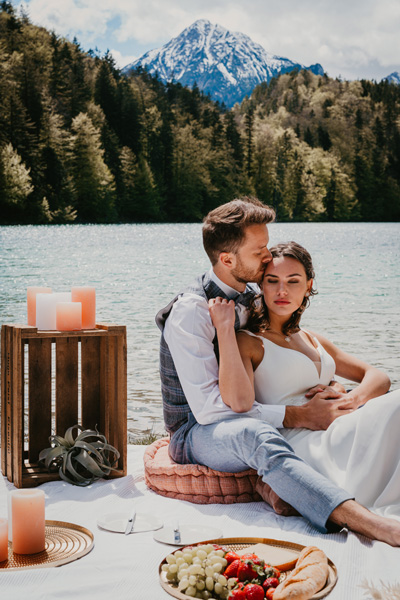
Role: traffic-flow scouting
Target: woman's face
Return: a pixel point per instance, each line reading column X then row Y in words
column 284, row 286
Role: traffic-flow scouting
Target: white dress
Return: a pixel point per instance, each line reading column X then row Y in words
column 359, row 451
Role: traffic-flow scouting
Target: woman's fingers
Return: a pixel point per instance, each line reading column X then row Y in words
column 219, row 300
column 222, row 311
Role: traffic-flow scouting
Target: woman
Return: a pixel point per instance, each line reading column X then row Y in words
column 277, row 362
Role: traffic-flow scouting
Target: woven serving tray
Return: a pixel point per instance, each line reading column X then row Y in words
column 239, row 543
column 65, row 542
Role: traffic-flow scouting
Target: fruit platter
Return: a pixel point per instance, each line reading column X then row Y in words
column 247, row 569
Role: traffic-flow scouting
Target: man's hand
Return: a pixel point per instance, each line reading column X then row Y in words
column 319, row 412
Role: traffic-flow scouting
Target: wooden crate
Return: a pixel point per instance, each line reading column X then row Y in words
column 44, row 374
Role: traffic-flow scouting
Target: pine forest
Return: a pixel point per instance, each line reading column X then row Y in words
column 81, row 142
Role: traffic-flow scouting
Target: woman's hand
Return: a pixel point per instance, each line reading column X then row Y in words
column 335, row 388
column 222, row 313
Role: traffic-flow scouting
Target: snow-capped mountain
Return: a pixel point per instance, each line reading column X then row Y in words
column 393, row 78
column 225, row 64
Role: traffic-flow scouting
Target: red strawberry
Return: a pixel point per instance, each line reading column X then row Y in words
column 269, row 594
column 270, row 571
column 246, row 572
column 256, row 560
column 253, row 591
column 237, row 594
column 231, row 556
column 232, row 569
column 270, row 582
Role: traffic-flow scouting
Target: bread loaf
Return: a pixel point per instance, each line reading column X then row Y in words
column 307, row 578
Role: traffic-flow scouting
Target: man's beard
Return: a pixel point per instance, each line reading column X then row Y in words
column 243, row 275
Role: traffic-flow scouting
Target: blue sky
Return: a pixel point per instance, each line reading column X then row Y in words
column 353, row 39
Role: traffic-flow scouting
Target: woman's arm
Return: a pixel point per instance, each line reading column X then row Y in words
column 372, row 381
column 236, row 379
column 326, row 406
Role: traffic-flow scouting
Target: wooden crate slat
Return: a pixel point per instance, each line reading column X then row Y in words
column 66, row 383
column 121, row 401
column 39, row 428
column 17, row 399
column 6, row 401
column 111, row 386
column 90, row 377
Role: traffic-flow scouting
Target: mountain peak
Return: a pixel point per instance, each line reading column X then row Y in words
column 393, row 78
column 227, row 65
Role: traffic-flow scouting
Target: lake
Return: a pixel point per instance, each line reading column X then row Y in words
column 137, row 269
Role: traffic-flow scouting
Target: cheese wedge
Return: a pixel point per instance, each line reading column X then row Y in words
column 281, row 558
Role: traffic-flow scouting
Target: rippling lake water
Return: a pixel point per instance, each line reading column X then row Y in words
column 137, row 269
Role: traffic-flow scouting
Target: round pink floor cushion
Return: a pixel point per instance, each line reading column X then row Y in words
column 195, row 483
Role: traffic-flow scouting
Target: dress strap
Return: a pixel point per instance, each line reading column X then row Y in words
column 313, row 339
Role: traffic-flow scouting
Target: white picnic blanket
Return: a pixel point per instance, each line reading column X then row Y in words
column 126, row 567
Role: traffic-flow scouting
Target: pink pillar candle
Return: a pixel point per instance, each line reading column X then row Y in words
column 3, row 540
column 31, row 302
column 28, row 521
column 87, row 296
column 69, row 316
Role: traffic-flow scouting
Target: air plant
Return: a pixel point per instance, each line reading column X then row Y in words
column 80, row 460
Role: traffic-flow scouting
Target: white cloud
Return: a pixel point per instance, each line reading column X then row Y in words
column 349, row 37
column 66, row 17
column 122, row 60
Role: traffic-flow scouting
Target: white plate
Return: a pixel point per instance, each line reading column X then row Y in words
column 190, row 534
column 117, row 522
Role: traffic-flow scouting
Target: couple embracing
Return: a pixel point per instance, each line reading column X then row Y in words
column 244, row 386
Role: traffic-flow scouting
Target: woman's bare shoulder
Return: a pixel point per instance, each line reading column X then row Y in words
column 249, row 343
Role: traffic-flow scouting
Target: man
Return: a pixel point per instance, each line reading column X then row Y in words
column 206, row 431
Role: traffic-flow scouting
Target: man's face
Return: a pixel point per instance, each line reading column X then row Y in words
column 253, row 255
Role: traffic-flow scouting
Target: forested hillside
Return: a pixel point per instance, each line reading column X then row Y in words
column 81, row 142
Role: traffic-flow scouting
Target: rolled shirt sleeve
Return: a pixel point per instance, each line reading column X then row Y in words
column 189, row 333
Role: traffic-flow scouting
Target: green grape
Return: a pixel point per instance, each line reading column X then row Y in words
column 190, row 591
column 210, row 584
column 170, row 559
column 217, row 588
column 183, row 584
column 209, row 571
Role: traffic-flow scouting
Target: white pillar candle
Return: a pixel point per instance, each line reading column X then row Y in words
column 46, row 309
column 28, row 521
column 69, row 316
column 32, row 292
column 3, row 540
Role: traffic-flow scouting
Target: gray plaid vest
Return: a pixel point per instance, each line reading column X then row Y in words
column 177, row 413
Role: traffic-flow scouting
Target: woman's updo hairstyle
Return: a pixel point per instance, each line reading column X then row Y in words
column 258, row 316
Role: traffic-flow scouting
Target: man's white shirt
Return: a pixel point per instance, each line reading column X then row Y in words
column 189, row 333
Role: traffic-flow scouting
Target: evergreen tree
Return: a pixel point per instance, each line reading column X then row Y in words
column 15, row 184
column 92, row 179
column 248, row 123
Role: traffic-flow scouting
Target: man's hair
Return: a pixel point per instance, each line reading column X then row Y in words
column 224, row 227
